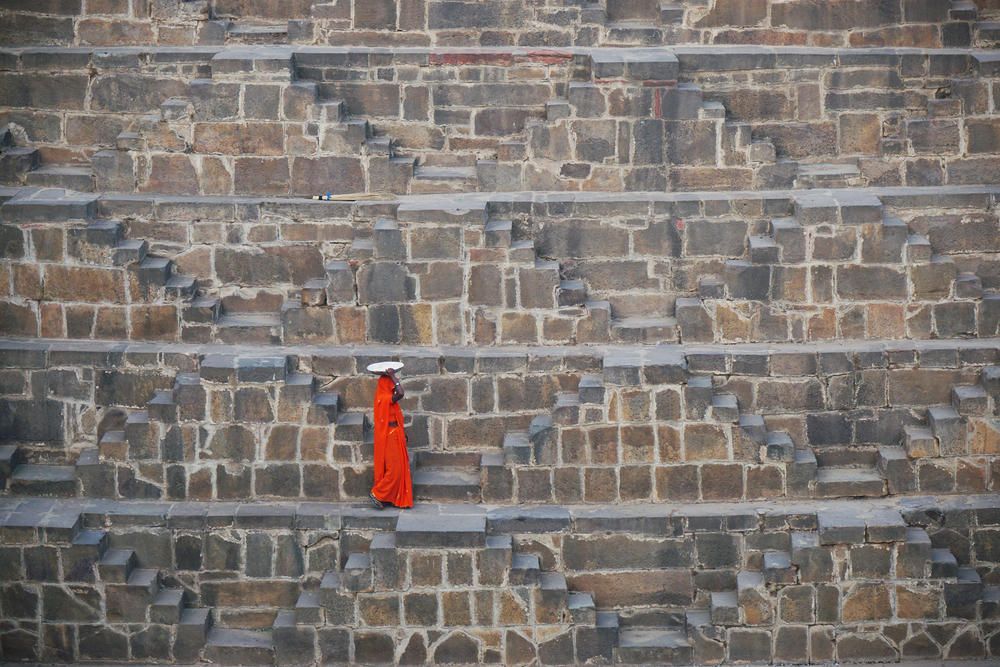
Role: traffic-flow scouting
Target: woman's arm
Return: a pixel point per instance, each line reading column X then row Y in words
column 397, row 392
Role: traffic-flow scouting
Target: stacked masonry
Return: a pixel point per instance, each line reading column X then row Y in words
column 698, row 305
column 401, row 23
column 252, row 584
column 629, row 426
column 284, row 120
column 884, row 264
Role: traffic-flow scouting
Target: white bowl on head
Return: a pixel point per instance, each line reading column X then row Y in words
column 380, row 367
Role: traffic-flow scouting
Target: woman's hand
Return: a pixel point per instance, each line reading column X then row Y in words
column 397, row 392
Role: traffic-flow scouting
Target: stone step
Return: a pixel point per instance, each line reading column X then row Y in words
column 591, row 390
column 581, row 609
column 963, row 11
column 258, row 34
column 525, row 569
column 309, row 608
column 172, row 110
column 827, row 175
column 498, row 233
column 162, row 407
column 441, row 460
column 944, row 565
column 117, row 566
column 517, row 448
column 202, row 310
column 168, row 605
column 249, row 328
column 572, row 293
column 711, row 287
column 129, row 251
column 649, row 646
column 441, row 180
column 239, row 647
column 845, row 456
column 57, row 481
column 446, row 485
column 970, row 400
column 448, row 531
column 725, row 408
column 566, row 411
column 849, row 482
column 644, row 330
column 949, row 429
column 779, row 447
column 180, row 287
column 763, row 250
column 71, row 177
column 988, row 31
column 919, row 442
column 725, row 608
column 918, row 249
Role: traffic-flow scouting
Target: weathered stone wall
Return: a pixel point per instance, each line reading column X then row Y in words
column 560, row 270
column 502, row 22
column 798, row 584
column 301, row 121
column 559, row 427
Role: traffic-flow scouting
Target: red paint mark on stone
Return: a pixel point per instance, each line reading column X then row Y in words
column 680, row 225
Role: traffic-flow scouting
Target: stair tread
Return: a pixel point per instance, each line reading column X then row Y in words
column 848, row 475
column 650, row 637
column 638, row 321
column 44, row 473
column 445, row 477
column 63, row 170
column 239, row 638
column 444, row 173
column 249, row 320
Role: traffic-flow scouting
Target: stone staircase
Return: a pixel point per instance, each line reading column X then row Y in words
column 484, row 585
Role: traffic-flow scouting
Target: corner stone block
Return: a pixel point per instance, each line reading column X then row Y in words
column 815, row 563
column 748, row 281
column 696, row 323
column 293, row 644
column 895, row 466
column 538, row 285
column 388, row 240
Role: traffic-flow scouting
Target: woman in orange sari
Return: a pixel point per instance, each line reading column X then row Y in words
column 392, row 462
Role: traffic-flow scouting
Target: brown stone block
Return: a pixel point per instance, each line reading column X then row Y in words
column 239, row 138
column 519, row 327
column 282, row 443
column 705, row 442
column 153, row 322
column 27, row 280
column 263, row 176
column 636, row 483
column 866, row 602
column 111, row 323
column 171, row 174
column 677, row 482
column 722, row 481
column 66, row 283
column 654, row 587
column 918, row 603
column 79, row 321
column 350, row 324
column 114, row 32
column 257, row 593
column 53, row 324
column 416, row 324
column 339, row 175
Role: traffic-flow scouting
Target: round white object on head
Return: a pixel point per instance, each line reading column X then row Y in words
column 380, row 367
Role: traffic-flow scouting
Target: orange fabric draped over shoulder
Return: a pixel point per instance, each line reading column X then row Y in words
column 392, row 462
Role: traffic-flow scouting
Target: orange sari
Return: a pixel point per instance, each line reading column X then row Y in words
column 392, row 462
